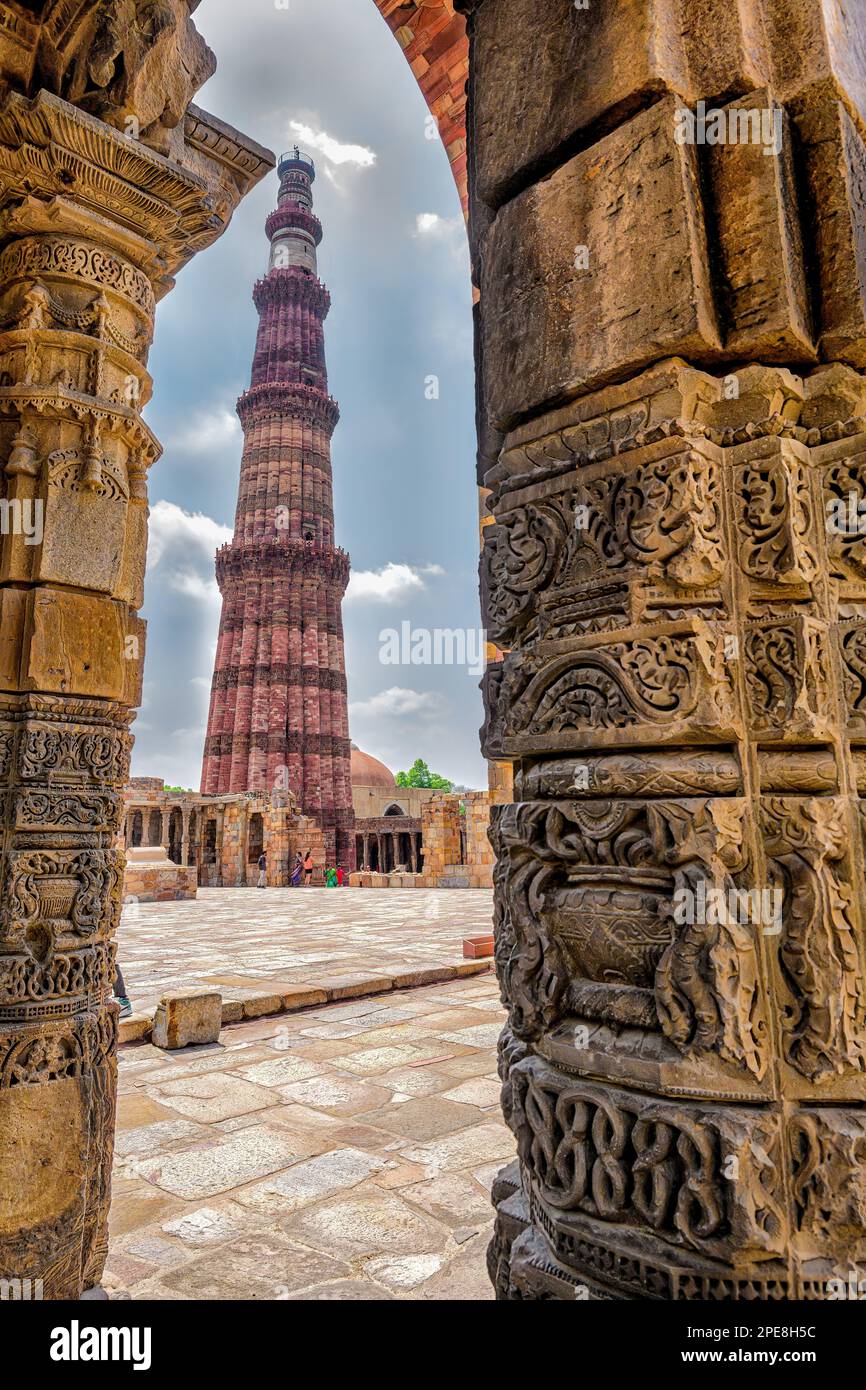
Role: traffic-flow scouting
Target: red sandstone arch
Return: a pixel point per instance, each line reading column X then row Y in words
column 436, row 46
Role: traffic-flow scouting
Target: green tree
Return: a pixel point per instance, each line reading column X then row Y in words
column 419, row 775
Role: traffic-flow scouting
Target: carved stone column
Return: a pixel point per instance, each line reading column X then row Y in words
column 677, row 571
column 93, row 224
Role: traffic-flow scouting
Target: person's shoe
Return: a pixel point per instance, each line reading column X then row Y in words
column 125, row 1006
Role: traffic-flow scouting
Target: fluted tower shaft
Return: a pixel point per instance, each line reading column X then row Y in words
column 278, row 715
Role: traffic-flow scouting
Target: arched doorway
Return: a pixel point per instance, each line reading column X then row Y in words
column 175, row 835
column 256, row 837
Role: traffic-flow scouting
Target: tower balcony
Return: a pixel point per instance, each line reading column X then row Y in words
column 287, row 398
column 291, row 283
column 295, row 216
column 282, row 557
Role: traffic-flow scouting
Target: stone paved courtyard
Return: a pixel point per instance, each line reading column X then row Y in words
column 344, row 1152
column 246, row 942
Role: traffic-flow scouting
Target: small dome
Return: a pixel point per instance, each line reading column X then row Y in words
column 369, row 772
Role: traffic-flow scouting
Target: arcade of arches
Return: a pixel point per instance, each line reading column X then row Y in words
column 671, row 335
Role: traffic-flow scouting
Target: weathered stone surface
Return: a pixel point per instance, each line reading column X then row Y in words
column 584, row 65
column 85, row 255
column 187, row 1018
column 593, row 322
column 674, row 569
column 763, row 297
column 834, row 165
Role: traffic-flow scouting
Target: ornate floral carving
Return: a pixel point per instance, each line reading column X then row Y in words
column 853, row 651
column 845, row 507
column 828, row 1149
column 807, row 842
column 60, row 890
column 775, row 521
column 588, row 927
column 785, row 664
column 653, row 680
column 36, row 256
column 100, row 756
column 66, row 809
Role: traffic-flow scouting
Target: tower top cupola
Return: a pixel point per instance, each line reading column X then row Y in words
column 293, row 229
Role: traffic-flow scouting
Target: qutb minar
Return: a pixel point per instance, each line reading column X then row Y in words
column 278, row 711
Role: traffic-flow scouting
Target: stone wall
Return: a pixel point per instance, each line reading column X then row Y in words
column 672, row 422
column 220, row 837
column 110, row 181
column 457, row 850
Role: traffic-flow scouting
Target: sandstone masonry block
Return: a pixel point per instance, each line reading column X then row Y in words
column 762, row 294
column 633, row 202
column 187, row 1018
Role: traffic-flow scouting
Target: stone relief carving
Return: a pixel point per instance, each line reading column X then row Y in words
column 588, row 927
column 807, row 842
column 687, row 1176
column 775, row 521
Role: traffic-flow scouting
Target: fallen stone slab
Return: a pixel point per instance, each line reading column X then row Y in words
column 136, row 1028
column 187, row 1018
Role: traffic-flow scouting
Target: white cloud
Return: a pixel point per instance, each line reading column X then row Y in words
column 398, row 702
column 335, row 151
column 391, row 584
column 211, row 429
column 180, row 551
column 432, row 225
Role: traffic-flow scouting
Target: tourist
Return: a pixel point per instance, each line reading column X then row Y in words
column 263, row 871
column 339, row 878
column 120, row 994
column 297, row 871
column 330, row 878
column 308, row 868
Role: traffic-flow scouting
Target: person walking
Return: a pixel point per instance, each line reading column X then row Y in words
column 308, row 868
column 297, row 871
column 263, row 871
column 120, row 993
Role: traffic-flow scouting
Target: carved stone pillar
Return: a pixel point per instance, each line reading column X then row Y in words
column 677, row 572
column 93, row 224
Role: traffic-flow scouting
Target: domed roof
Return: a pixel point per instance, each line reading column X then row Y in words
column 367, row 771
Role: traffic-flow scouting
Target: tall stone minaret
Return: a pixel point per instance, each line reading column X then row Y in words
column 278, row 711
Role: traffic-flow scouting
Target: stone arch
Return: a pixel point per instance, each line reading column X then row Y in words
column 395, row 810
column 572, row 141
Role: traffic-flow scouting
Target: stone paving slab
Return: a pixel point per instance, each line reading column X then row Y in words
column 279, row 949
column 279, row 1164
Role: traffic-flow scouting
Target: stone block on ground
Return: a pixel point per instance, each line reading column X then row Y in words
column 477, row 947
column 187, row 1018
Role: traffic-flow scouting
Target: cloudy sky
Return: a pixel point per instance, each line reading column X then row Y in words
column 328, row 75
